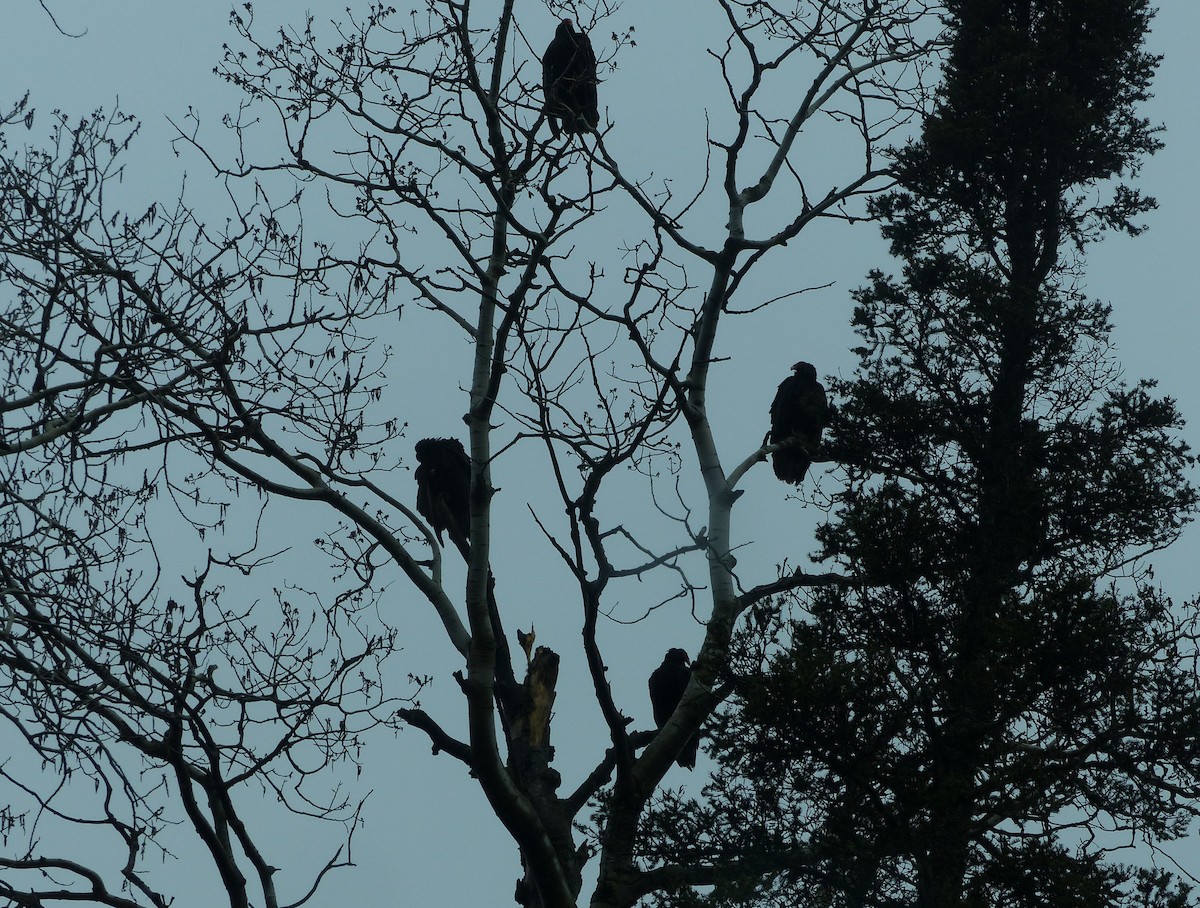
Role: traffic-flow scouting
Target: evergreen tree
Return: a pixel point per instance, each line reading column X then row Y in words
column 1000, row 679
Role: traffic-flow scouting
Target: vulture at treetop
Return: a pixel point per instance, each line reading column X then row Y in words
column 801, row 411
column 444, row 488
column 667, row 684
column 569, row 81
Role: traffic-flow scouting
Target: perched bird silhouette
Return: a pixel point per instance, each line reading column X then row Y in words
column 569, row 81
column 800, row 411
column 444, row 488
column 444, row 499
column 667, row 684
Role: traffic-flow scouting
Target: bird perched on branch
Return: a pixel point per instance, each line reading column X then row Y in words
column 569, row 81
column 444, row 488
column 800, row 411
column 667, row 684
column 444, row 499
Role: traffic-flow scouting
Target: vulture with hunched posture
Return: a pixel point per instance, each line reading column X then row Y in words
column 444, row 488
column 800, row 411
column 667, row 684
column 443, row 479
column 569, row 81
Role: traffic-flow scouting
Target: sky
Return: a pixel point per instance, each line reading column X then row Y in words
column 428, row 838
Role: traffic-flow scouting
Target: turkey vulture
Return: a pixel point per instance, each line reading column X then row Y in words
column 569, row 81
column 444, row 488
column 667, row 684
column 444, row 499
column 800, row 411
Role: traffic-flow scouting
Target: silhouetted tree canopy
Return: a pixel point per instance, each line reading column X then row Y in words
column 1005, row 673
column 213, row 585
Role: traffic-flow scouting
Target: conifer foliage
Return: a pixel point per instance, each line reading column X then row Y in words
column 1002, row 679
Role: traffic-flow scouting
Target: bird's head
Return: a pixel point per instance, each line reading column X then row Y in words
column 677, row 656
column 427, row 448
column 805, row 370
column 566, row 27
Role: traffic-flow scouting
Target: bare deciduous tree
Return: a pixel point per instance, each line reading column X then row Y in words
column 240, row 364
